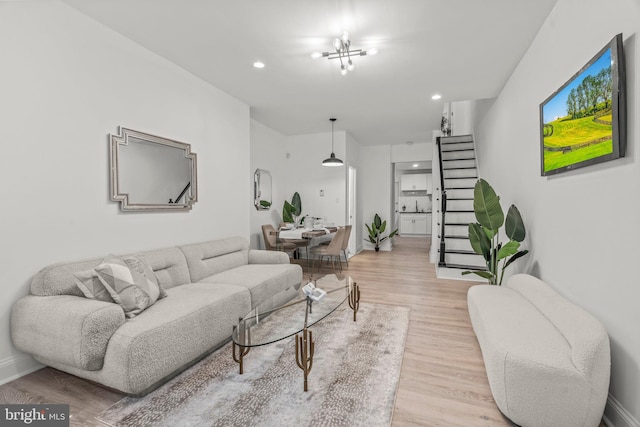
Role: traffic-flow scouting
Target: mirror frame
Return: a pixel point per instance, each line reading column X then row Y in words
column 123, row 139
column 257, row 192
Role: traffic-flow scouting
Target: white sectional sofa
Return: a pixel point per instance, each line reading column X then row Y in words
column 547, row 360
column 209, row 286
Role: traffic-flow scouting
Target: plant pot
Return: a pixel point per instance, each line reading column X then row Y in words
column 377, row 248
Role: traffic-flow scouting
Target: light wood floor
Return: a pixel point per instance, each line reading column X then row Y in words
column 443, row 380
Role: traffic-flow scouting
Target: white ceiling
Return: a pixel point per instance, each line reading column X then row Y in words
column 462, row 49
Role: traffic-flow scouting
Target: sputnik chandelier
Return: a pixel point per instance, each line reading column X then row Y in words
column 344, row 53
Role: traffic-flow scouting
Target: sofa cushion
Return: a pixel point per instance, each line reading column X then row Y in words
column 130, row 283
column 169, row 266
column 91, row 286
column 209, row 258
column 58, row 279
column 193, row 319
column 262, row 280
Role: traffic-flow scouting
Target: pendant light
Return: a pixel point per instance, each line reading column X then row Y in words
column 332, row 160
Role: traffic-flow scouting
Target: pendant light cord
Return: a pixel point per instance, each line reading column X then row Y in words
column 333, row 121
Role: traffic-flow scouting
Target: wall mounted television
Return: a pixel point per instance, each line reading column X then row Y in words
column 584, row 122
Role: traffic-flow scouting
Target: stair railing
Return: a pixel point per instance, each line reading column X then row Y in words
column 181, row 194
column 443, row 205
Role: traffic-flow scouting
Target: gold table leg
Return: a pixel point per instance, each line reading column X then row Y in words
column 245, row 337
column 354, row 299
column 304, row 353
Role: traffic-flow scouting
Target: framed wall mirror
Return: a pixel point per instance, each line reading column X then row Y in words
column 262, row 189
column 148, row 172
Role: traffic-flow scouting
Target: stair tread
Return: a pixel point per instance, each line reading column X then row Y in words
column 465, row 167
column 457, row 223
column 459, row 198
column 460, row 252
column 446, row 139
column 456, row 142
column 460, row 210
column 456, row 237
column 460, row 177
column 457, row 150
column 455, row 160
column 458, row 188
column 465, row 267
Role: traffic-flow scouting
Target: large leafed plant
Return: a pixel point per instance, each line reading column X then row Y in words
column 291, row 211
column 484, row 235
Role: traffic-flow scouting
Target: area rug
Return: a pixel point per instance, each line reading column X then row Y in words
column 352, row 382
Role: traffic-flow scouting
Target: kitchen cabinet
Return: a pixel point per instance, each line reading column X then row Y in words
column 429, row 184
column 413, row 182
column 414, row 223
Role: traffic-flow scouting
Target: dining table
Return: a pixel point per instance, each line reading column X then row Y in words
column 303, row 233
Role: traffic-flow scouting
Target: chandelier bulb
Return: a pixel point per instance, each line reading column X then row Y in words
column 350, row 65
column 345, row 37
column 343, row 70
column 337, row 43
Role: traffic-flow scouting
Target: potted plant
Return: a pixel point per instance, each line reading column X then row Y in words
column 291, row 211
column 375, row 232
column 484, row 235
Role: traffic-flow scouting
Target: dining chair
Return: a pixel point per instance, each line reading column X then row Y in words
column 345, row 243
column 272, row 243
column 300, row 243
column 332, row 250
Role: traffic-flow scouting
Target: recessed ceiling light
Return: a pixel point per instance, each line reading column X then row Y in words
column 415, row 165
column 258, row 64
column 436, row 97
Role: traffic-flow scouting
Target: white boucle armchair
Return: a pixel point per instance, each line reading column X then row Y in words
column 547, row 360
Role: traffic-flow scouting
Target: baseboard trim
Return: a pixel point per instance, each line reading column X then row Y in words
column 615, row 415
column 17, row 366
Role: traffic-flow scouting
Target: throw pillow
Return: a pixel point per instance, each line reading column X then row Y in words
column 135, row 264
column 129, row 284
column 91, row 286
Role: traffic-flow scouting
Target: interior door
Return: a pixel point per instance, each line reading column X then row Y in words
column 351, row 211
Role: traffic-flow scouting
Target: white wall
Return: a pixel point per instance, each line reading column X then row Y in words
column 417, row 152
column 584, row 233
column 376, row 193
column 268, row 151
column 307, row 176
column 462, row 117
column 66, row 83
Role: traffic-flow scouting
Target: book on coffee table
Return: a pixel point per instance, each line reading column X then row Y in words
column 316, row 294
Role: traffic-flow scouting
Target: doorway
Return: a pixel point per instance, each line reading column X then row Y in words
column 351, row 211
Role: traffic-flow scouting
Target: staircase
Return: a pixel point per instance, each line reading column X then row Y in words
column 458, row 175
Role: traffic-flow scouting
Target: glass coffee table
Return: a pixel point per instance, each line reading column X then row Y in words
column 266, row 325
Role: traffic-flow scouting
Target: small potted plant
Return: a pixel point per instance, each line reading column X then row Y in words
column 375, row 232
